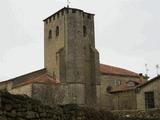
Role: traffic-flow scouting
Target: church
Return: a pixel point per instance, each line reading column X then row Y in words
column 72, row 72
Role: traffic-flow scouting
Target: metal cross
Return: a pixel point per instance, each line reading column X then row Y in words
column 68, row 2
column 157, row 67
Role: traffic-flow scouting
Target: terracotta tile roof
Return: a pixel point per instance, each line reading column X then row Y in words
column 39, row 76
column 121, row 88
column 150, row 81
column 41, row 79
column 28, row 76
column 125, row 87
column 137, row 82
column 111, row 70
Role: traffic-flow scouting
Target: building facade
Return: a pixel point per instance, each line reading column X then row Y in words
column 71, row 56
column 73, row 74
column 133, row 96
column 115, row 86
column 148, row 94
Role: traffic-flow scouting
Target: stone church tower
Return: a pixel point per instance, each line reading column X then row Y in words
column 71, row 56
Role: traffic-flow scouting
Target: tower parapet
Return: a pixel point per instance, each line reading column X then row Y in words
column 66, row 10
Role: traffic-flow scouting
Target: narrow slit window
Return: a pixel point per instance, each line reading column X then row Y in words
column 57, row 31
column 84, row 31
column 50, row 34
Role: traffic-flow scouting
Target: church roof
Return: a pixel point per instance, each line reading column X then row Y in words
column 122, row 88
column 111, row 70
column 39, row 76
column 126, row 87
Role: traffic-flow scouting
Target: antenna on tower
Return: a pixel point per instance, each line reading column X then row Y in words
column 68, row 2
column 157, row 69
column 146, row 67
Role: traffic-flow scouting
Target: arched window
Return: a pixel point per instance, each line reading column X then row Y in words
column 84, row 31
column 50, row 34
column 57, row 31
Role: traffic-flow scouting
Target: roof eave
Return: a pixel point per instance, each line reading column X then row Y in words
column 119, row 75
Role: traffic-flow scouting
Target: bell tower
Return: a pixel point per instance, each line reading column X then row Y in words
column 70, row 55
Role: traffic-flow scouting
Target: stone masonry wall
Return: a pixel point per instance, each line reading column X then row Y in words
column 153, row 114
column 16, row 107
column 125, row 100
column 71, row 56
column 151, row 87
column 106, row 99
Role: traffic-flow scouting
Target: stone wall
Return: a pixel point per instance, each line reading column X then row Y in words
column 153, row 114
column 106, row 99
column 23, row 90
column 16, row 107
column 44, row 93
column 6, row 85
column 71, row 56
column 151, row 87
column 125, row 100
column 54, row 44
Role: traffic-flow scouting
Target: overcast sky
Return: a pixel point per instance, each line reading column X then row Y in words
column 127, row 33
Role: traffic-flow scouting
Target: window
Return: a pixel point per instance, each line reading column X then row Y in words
column 57, row 31
column 84, row 31
column 50, row 34
column 131, row 84
column 149, row 100
column 117, row 82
